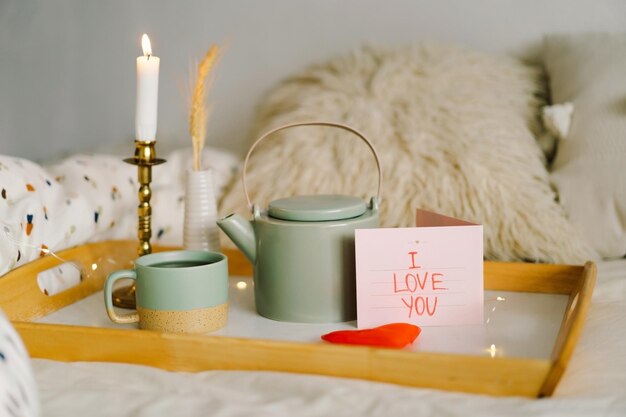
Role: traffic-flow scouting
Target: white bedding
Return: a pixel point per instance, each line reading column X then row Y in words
column 91, row 197
column 593, row 385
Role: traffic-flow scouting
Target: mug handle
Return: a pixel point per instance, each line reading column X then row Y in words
column 108, row 297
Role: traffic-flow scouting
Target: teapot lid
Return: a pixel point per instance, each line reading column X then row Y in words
column 315, row 208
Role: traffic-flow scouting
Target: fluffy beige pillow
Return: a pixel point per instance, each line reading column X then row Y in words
column 589, row 170
column 454, row 130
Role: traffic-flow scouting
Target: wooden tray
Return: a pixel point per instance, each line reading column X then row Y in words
column 23, row 302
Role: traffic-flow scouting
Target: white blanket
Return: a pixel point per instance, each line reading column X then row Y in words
column 593, row 385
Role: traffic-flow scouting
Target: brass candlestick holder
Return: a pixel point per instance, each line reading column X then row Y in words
column 145, row 158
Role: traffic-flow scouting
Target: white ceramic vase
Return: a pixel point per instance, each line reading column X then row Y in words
column 200, row 231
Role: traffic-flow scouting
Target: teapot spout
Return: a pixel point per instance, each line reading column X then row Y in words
column 241, row 232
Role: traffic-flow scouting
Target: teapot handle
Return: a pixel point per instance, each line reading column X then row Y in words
column 312, row 123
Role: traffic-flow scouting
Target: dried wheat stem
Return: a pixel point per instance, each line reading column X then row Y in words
column 199, row 111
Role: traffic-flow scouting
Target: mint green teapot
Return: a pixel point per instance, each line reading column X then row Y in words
column 302, row 248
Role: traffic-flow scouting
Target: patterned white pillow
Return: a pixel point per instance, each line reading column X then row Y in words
column 90, row 198
column 18, row 392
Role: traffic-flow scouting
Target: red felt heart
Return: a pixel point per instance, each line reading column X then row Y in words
column 394, row 335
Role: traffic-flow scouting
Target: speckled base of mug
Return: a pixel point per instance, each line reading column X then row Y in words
column 200, row 320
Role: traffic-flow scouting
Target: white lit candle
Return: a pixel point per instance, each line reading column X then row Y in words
column 147, row 93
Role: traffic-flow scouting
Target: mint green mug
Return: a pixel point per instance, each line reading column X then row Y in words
column 177, row 292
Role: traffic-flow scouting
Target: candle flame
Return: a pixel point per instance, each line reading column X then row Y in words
column 145, row 45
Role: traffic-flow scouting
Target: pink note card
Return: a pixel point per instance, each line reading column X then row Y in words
column 429, row 275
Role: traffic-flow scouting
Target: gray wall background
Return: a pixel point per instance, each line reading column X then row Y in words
column 67, row 67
